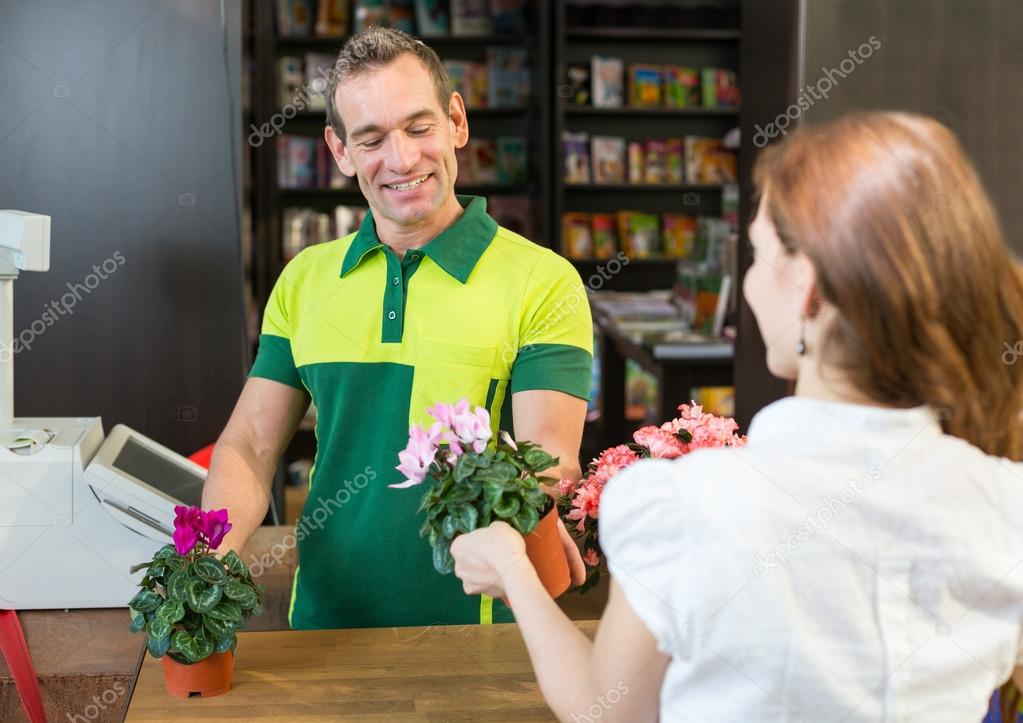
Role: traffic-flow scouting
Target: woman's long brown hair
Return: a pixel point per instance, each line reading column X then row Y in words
column 908, row 250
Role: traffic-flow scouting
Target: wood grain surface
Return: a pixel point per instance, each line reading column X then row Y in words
column 439, row 673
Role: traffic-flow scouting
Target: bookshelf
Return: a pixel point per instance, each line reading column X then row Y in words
column 583, row 29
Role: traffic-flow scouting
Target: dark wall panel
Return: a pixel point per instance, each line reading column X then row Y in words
column 115, row 120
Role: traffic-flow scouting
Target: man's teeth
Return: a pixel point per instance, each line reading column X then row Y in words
column 407, row 186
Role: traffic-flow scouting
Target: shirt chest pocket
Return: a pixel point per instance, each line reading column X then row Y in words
column 447, row 371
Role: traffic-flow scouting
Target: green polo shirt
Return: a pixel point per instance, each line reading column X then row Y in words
column 478, row 312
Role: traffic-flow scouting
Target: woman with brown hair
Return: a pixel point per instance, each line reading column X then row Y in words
column 859, row 559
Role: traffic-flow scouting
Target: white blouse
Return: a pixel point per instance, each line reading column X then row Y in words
column 852, row 563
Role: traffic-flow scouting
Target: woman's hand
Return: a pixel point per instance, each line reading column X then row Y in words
column 486, row 559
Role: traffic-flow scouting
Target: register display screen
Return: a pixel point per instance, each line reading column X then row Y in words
column 157, row 471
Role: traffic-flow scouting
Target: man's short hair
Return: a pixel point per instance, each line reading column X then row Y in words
column 375, row 48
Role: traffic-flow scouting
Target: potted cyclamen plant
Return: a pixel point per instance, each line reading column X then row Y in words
column 191, row 604
column 579, row 502
column 477, row 481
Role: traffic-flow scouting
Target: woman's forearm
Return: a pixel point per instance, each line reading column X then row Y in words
column 560, row 652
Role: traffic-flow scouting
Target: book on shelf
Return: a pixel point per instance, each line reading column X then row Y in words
column 681, row 87
column 290, row 79
column 674, row 160
column 511, row 160
column 509, row 17
column 576, row 235
column 332, row 18
column 432, row 18
column 369, row 13
column 607, row 80
column 644, row 85
column 514, row 213
column 608, row 156
column 577, row 84
column 304, row 227
column 576, row 154
column 485, row 151
column 604, row 232
column 471, row 17
column 708, row 161
column 639, row 234
column 719, row 88
column 678, row 232
column 317, row 70
column 508, row 77
column 635, row 164
column 294, row 18
column 655, row 161
column 401, row 15
column 296, row 162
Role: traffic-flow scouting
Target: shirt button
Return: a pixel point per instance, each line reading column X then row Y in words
column 391, row 315
column 395, row 281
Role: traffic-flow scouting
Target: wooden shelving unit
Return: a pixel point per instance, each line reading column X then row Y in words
column 688, row 46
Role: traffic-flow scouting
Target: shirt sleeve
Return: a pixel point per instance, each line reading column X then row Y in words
column 556, row 347
column 641, row 532
column 274, row 360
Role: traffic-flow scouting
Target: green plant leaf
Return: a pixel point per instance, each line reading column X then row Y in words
column 224, row 644
column 538, row 460
column 464, row 468
column 237, row 590
column 138, row 620
column 176, row 585
column 492, row 492
column 497, row 472
column 184, row 643
column 442, row 560
column 171, row 611
column 218, row 628
column 158, row 629
column 145, row 601
column 508, row 507
column 200, row 597
column 525, row 520
column 536, row 498
column 227, row 610
column 167, row 551
column 235, row 565
column 175, row 563
column 203, row 645
column 158, row 646
column 447, row 527
column 210, row 569
column 465, row 516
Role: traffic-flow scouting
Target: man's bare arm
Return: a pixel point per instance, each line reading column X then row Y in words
column 553, row 420
column 246, row 455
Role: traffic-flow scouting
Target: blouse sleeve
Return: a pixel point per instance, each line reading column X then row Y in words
column 643, row 520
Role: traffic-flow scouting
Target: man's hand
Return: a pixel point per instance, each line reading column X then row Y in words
column 576, row 566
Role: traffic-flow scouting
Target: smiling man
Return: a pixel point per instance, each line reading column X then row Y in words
column 429, row 301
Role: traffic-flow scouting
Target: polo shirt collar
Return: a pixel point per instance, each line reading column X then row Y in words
column 456, row 249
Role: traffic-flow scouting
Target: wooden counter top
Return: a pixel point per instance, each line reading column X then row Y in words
column 437, row 673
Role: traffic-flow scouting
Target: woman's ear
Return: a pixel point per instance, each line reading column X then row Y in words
column 339, row 150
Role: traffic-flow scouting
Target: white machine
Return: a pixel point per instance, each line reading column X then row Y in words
column 76, row 511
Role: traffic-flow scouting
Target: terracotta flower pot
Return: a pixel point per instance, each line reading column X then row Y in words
column 543, row 546
column 209, row 677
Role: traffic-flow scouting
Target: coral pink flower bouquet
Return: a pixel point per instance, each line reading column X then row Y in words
column 579, row 504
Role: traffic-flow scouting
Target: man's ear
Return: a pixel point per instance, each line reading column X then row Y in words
column 339, row 150
column 459, row 121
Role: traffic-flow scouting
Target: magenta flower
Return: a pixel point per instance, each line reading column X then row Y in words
column 187, row 523
column 417, row 457
column 184, row 539
column 214, row 527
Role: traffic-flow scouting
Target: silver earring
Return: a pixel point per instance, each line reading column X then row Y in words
column 801, row 346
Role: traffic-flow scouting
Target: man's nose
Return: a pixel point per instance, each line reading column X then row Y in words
column 404, row 153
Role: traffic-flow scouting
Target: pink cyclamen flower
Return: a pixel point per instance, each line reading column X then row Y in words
column 612, row 461
column 591, row 558
column 187, row 524
column 565, row 487
column 214, row 527
column 417, row 457
column 586, row 503
column 471, row 426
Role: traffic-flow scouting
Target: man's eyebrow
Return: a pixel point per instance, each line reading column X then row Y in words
column 374, row 128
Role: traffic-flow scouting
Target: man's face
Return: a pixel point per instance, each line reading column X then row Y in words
column 401, row 143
